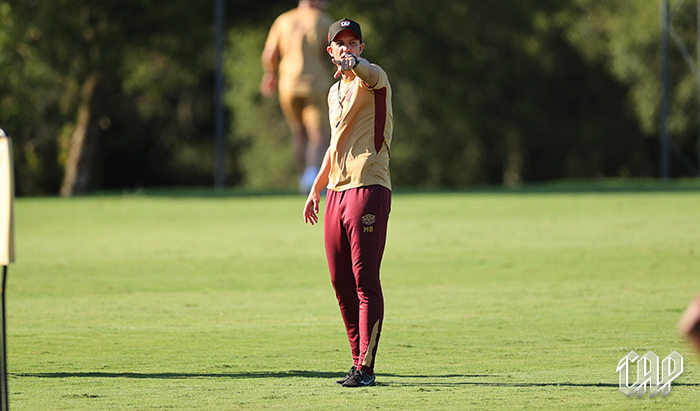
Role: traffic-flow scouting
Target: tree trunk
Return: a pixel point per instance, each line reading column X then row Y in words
column 83, row 142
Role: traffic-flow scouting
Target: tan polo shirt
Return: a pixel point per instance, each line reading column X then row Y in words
column 301, row 35
column 362, row 124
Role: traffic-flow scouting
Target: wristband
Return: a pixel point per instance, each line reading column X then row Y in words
column 357, row 61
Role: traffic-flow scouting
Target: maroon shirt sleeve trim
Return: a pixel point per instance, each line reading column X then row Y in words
column 379, row 117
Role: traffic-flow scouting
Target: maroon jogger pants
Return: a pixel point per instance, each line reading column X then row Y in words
column 355, row 227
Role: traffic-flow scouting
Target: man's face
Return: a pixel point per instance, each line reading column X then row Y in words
column 346, row 42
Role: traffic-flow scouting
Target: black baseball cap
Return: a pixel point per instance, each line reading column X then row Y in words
column 342, row 25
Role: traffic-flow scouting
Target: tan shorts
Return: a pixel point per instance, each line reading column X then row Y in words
column 307, row 109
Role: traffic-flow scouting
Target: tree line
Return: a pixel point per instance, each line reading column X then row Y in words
column 119, row 95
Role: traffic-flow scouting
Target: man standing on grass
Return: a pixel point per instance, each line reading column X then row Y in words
column 355, row 169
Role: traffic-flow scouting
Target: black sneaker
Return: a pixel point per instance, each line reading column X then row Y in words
column 359, row 379
column 347, row 377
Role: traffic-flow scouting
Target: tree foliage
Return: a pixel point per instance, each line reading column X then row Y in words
column 484, row 92
column 495, row 94
column 150, row 110
column 624, row 37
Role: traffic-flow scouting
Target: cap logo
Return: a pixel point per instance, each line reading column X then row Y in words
column 345, row 23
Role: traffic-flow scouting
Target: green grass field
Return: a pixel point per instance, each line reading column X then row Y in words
column 494, row 301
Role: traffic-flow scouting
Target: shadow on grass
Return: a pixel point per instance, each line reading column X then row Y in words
column 385, row 380
column 174, row 375
column 236, row 375
column 438, row 384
